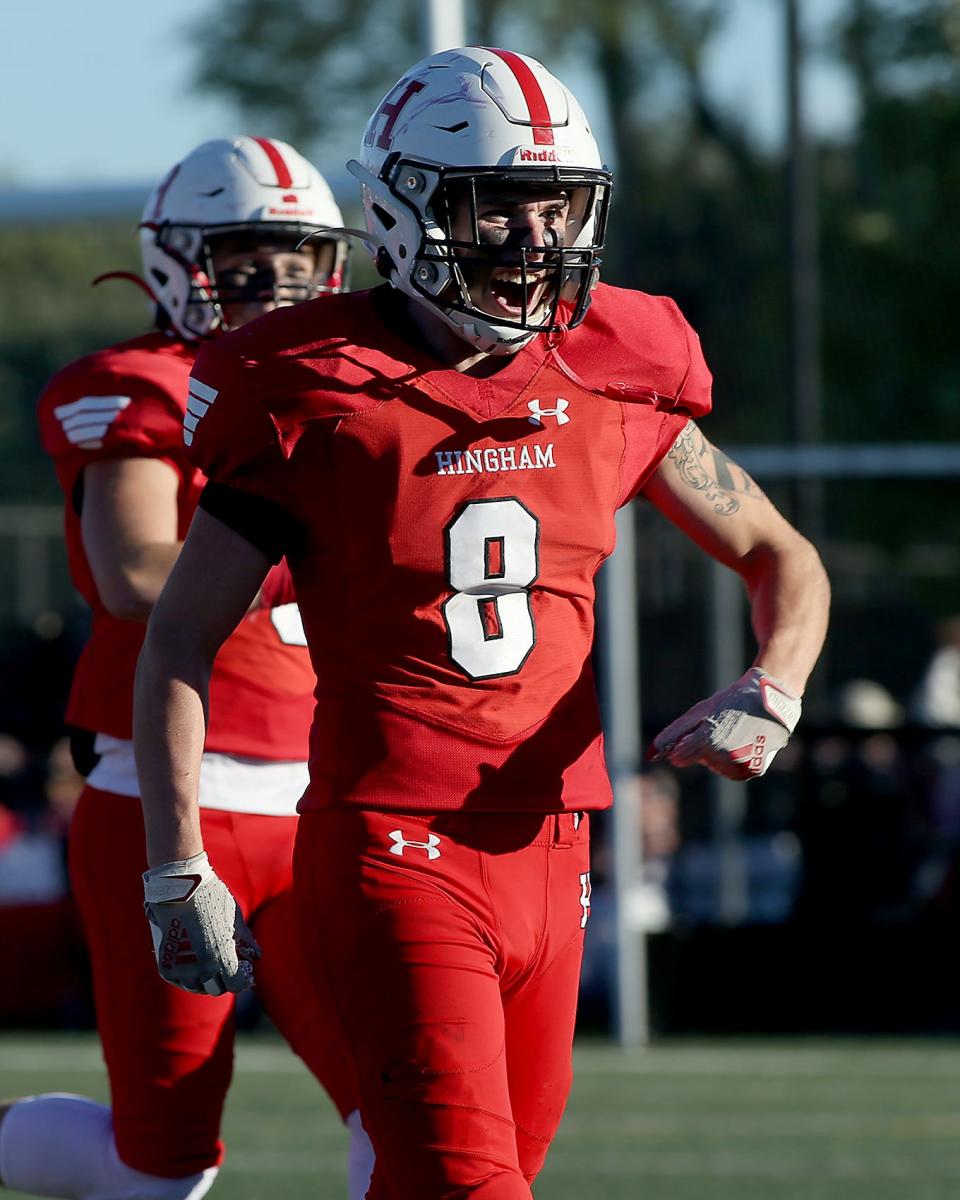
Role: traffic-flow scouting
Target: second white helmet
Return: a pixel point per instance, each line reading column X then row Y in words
column 469, row 117
column 240, row 186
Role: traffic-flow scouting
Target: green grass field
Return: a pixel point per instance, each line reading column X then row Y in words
column 804, row 1120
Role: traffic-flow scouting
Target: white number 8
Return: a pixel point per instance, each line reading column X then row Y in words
column 492, row 559
column 286, row 620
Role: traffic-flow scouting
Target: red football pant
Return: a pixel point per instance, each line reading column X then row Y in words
column 452, row 945
column 169, row 1053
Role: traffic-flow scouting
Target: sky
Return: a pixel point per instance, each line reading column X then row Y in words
column 99, row 93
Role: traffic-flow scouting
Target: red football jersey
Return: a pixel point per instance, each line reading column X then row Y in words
column 129, row 402
column 448, row 531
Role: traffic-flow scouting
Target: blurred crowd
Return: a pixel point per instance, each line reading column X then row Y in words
column 853, row 834
column 44, row 980
column 857, row 823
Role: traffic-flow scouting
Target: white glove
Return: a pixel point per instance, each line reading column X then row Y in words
column 200, row 939
column 736, row 732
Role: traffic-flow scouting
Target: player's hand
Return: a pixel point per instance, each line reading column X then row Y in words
column 736, row 732
column 200, row 939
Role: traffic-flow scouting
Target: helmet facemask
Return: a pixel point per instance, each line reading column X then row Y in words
column 213, row 292
column 465, row 260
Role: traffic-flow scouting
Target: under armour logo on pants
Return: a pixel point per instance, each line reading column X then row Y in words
column 400, row 844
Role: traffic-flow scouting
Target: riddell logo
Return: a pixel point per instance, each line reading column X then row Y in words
column 553, row 154
column 177, row 949
column 290, row 212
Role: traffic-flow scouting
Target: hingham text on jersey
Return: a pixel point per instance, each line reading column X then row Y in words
column 495, row 458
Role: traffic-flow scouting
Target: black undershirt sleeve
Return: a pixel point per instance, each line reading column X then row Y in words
column 263, row 523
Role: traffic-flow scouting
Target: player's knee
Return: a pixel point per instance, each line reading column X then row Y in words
column 505, row 1185
column 502, row 1185
column 453, row 1174
column 532, row 1152
column 62, row 1145
column 531, row 1155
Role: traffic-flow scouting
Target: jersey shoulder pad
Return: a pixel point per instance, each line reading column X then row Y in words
column 330, row 357
column 228, row 430
column 118, row 402
column 635, row 346
column 256, row 391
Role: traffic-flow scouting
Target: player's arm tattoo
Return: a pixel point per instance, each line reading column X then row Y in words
column 706, row 469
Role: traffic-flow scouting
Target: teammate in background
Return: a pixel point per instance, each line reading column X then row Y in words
column 441, row 460
column 220, row 242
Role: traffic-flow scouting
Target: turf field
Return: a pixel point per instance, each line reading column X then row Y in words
column 805, row 1120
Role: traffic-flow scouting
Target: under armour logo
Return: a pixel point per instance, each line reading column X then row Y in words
column 400, row 844
column 586, row 890
column 560, row 412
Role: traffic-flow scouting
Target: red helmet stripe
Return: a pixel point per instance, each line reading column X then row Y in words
column 284, row 178
column 532, row 93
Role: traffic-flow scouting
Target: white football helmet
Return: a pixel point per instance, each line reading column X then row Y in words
column 477, row 116
column 244, row 186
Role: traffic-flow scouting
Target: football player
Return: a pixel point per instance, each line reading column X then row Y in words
column 441, row 460
column 220, row 241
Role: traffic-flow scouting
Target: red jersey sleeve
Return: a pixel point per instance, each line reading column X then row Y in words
column 228, row 433
column 232, row 437
column 695, row 397
column 682, row 391
column 277, row 589
column 92, row 413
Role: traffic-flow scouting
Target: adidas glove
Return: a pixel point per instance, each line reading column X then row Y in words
column 200, row 939
column 736, row 732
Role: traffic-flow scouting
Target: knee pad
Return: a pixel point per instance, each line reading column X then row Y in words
column 62, row 1145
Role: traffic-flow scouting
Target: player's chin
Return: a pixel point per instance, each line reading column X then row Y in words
column 238, row 315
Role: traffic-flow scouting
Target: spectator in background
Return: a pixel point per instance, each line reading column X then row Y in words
column 39, row 926
column 653, row 798
column 33, row 838
column 936, row 704
column 937, row 699
column 15, row 790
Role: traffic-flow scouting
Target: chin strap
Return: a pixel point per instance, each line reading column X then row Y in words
column 130, row 277
column 616, row 390
column 339, row 232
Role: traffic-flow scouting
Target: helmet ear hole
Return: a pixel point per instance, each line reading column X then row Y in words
column 384, row 217
column 384, row 263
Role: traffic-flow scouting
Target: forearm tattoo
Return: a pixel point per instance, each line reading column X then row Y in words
column 708, row 470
